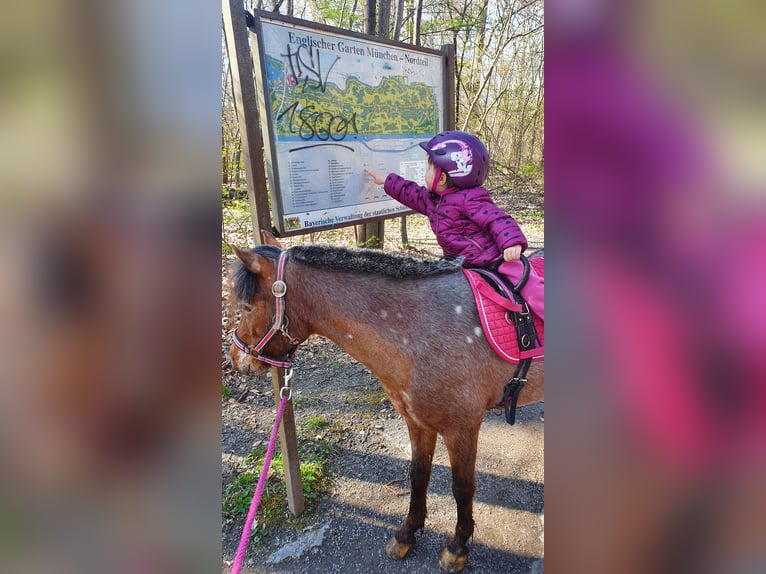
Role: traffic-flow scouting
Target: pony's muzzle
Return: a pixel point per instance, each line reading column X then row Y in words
column 246, row 363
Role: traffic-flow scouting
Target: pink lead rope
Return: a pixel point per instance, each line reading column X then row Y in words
column 247, row 529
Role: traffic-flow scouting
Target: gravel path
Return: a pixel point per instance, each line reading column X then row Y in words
column 348, row 530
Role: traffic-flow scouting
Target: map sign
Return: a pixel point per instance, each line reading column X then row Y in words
column 334, row 103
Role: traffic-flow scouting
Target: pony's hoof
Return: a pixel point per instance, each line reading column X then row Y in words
column 397, row 550
column 450, row 562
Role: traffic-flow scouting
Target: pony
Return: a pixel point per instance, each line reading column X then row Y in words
column 414, row 324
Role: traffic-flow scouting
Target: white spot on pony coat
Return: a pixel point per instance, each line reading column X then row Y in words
column 468, row 339
column 458, row 309
column 477, row 331
column 384, row 314
column 407, row 403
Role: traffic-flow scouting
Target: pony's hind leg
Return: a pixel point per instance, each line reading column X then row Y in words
column 423, row 444
column 461, row 447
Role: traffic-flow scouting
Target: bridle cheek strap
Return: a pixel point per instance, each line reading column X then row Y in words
column 279, row 325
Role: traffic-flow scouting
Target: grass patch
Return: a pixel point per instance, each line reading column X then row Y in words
column 372, row 242
column 316, row 423
column 530, row 216
column 368, row 398
column 531, row 168
column 535, row 215
column 315, row 452
column 225, row 392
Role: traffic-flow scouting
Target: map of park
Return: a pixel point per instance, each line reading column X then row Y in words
column 312, row 109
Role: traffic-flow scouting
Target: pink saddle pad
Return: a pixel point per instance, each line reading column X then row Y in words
column 494, row 312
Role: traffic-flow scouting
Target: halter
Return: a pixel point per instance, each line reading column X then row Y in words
column 279, row 325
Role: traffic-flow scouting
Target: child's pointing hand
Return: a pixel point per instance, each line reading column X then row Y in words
column 378, row 178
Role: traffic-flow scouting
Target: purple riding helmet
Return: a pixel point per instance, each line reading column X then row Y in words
column 461, row 155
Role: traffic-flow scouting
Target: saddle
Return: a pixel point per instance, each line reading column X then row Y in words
column 512, row 330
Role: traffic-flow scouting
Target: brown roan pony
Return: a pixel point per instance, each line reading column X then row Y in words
column 414, row 324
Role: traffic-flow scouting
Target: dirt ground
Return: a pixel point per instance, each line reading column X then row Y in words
column 368, row 496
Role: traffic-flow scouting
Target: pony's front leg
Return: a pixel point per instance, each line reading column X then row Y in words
column 423, row 444
column 462, row 456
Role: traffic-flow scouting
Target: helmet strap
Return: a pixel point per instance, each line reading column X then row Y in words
column 437, row 175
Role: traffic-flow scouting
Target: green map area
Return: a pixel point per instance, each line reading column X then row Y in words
column 312, row 110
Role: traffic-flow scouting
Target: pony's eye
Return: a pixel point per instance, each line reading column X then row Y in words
column 247, row 308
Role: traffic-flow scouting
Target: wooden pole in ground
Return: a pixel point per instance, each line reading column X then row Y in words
column 245, row 100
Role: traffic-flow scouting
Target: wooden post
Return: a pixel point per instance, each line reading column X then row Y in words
column 246, row 105
column 243, row 87
column 288, row 441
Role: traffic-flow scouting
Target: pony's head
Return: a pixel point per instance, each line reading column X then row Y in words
column 260, row 339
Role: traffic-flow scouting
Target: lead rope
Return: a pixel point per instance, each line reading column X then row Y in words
column 285, row 393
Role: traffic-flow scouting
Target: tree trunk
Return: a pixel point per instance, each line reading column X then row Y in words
column 224, row 160
column 236, row 166
column 418, row 16
column 397, row 36
column 399, row 18
column 351, row 15
column 371, row 234
column 369, row 17
column 384, row 18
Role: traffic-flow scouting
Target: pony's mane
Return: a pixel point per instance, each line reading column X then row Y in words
column 372, row 261
column 245, row 285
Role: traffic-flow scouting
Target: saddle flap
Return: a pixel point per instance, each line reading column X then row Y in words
column 497, row 322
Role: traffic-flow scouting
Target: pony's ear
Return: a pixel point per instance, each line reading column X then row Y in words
column 269, row 239
column 253, row 262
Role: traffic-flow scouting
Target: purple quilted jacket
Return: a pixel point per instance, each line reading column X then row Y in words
column 467, row 223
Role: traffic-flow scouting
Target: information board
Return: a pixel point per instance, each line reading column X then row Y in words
column 333, row 103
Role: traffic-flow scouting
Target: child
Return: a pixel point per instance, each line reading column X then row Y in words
column 466, row 221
